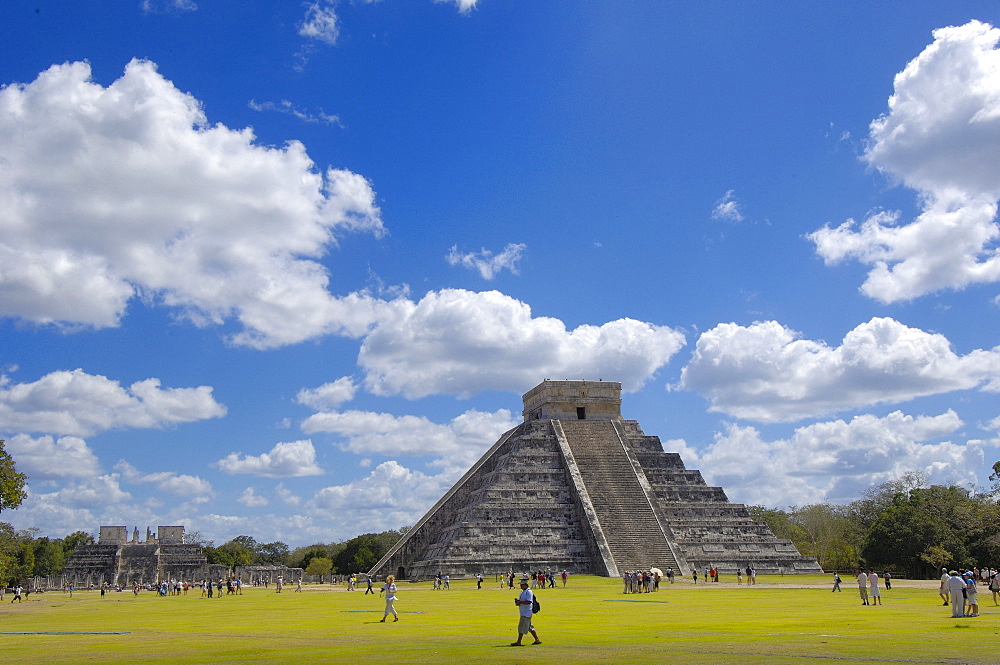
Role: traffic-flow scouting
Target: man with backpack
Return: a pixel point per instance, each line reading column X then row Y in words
column 527, row 606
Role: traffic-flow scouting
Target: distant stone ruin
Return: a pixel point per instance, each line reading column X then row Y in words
column 115, row 559
column 577, row 487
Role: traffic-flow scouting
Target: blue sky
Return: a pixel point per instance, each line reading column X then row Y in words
column 285, row 269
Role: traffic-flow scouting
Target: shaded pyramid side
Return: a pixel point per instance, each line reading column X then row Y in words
column 515, row 509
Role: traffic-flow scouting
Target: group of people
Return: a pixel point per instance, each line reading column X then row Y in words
column 537, row 580
column 867, row 586
column 959, row 589
column 441, row 582
column 641, row 581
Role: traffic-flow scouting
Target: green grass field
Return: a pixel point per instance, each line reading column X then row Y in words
column 781, row 620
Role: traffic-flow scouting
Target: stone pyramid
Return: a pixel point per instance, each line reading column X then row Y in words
column 577, row 487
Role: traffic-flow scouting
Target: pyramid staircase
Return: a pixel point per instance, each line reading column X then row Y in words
column 635, row 534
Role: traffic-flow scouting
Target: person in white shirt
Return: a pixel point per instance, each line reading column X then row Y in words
column 955, row 586
column 874, row 592
column 863, row 586
column 389, row 589
column 524, row 604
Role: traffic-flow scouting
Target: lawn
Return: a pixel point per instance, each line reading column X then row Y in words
column 781, row 620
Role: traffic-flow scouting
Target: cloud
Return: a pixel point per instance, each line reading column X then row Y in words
column 329, row 395
column 286, row 459
column 166, row 6
column 764, row 372
column 286, row 107
column 125, row 191
column 464, row 6
column 389, row 497
column 286, row 495
column 82, row 404
column 727, row 208
column 940, row 137
column 48, row 457
column 456, row 445
column 488, row 264
column 90, row 493
column 459, row 342
column 320, row 23
column 836, row 461
column 166, row 481
column 250, row 499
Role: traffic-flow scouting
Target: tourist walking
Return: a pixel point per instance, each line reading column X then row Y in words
column 888, row 580
column 389, row 589
column 994, row 586
column 836, row 582
column 370, row 590
column 525, row 604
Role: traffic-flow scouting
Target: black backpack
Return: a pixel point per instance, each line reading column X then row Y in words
column 536, row 607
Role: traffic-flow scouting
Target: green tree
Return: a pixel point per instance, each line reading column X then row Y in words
column 276, row 552
column 918, row 520
column 12, row 491
column 75, row 540
column 24, row 560
column 824, row 528
column 780, row 522
column 49, row 557
column 321, row 566
column 301, row 556
column 8, row 553
column 936, row 557
column 229, row 554
column 363, row 552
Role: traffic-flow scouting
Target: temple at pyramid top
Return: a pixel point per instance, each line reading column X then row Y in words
column 577, row 487
column 574, row 400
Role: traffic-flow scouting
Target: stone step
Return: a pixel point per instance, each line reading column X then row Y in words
column 630, row 527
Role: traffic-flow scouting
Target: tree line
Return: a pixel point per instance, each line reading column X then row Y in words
column 905, row 526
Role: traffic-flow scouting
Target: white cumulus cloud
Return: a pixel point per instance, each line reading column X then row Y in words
column 113, row 192
column 836, row 461
column 329, row 395
column 81, row 404
column 49, row 457
column 941, row 137
column 459, row 342
column 389, row 497
column 456, row 445
column 166, row 481
column 251, row 499
column 765, row 372
column 287, row 459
